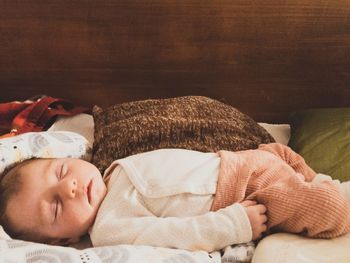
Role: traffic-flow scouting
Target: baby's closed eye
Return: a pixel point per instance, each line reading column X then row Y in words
column 61, row 171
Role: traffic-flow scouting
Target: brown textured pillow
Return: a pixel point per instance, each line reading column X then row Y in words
column 191, row 122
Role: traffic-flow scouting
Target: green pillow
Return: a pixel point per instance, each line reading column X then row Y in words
column 322, row 137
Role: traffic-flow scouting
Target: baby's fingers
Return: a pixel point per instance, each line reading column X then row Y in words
column 261, row 208
column 258, row 231
column 246, row 203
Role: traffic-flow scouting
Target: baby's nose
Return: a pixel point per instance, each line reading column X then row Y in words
column 71, row 187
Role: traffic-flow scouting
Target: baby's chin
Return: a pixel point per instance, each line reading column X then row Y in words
column 98, row 195
column 99, row 190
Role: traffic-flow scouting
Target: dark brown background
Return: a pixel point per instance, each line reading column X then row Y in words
column 266, row 58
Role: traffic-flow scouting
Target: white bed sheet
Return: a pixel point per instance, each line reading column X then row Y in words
column 288, row 248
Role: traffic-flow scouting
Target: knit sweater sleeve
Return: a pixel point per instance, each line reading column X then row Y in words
column 210, row 231
column 292, row 158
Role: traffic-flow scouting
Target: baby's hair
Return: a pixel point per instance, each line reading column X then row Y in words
column 10, row 185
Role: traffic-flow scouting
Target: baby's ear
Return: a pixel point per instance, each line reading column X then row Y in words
column 64, row 241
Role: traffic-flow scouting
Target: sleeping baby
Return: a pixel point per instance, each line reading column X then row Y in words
column 172, row 198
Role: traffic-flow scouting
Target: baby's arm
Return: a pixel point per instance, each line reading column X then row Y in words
column 210, row 231
column 294, row 160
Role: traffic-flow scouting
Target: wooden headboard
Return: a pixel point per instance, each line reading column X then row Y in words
column 267, row 58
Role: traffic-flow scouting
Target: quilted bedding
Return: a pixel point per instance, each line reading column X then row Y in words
column 21, row 251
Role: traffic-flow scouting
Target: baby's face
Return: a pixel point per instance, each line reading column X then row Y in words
column 58, row 198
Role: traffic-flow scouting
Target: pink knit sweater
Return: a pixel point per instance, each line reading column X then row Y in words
column 280, row 179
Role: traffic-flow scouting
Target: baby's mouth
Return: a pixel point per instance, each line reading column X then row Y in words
column 89, row 195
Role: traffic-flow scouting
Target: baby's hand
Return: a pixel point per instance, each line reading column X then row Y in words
column 257, row 217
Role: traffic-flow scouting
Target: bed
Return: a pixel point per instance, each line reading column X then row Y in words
column 273, row 61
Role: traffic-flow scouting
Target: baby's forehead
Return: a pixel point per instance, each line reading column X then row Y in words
column 26, row 163
column 33, row 169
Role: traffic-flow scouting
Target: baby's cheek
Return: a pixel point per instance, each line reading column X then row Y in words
column 80, row 220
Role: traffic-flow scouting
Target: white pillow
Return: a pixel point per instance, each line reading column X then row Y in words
column 280, row 132
column 81, row 123
column 84, row 124
column 55, row 144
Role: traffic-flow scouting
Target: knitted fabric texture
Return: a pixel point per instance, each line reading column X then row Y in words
column 282, row 182
column 191, row 122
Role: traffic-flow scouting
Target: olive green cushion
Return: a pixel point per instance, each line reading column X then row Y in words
column 322, row 137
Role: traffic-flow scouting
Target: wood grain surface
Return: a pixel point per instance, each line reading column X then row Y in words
column 266, row 58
